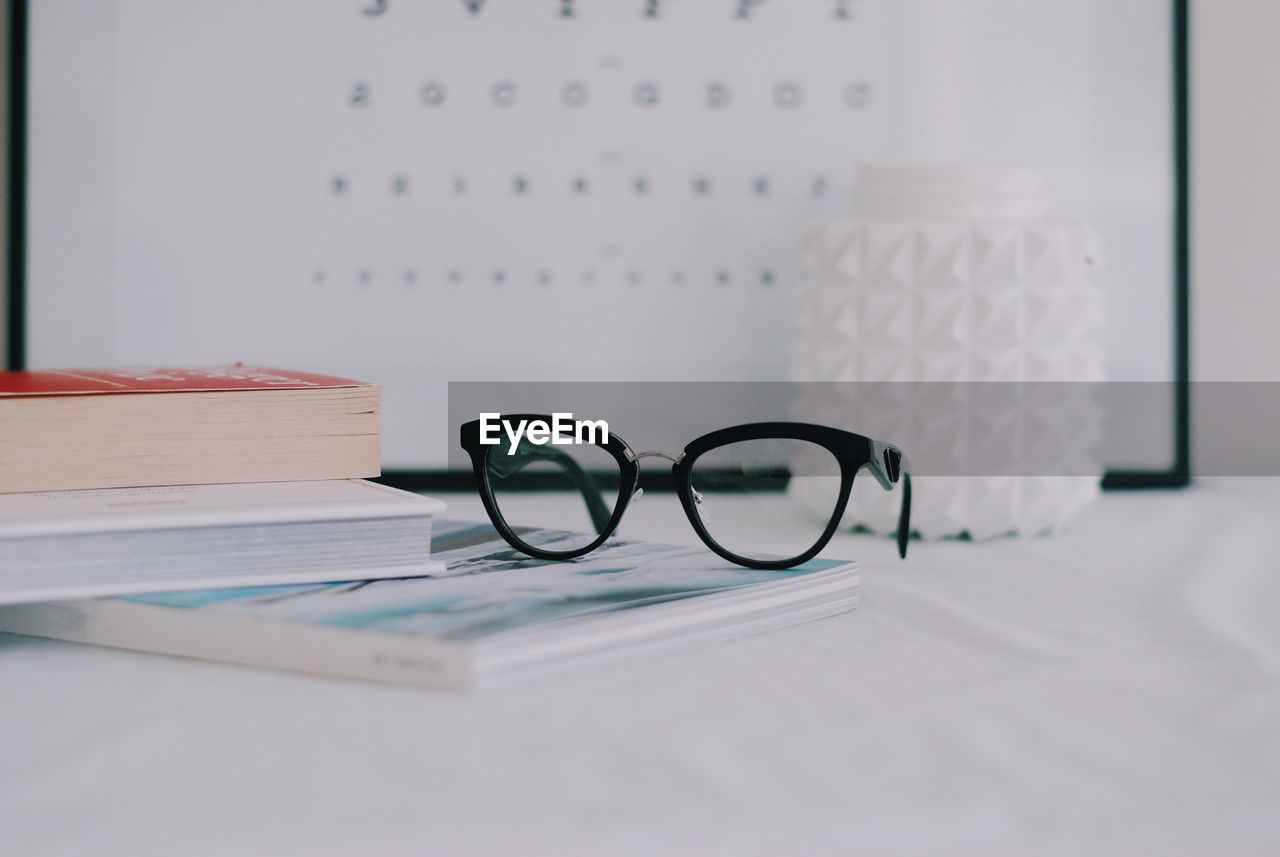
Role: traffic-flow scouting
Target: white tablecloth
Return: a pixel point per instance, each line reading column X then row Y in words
column 1111, row 690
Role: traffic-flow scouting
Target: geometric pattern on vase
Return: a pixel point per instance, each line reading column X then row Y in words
column 954, row 301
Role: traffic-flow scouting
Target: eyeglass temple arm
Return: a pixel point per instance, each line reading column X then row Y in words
column 527, row 454
column 904, row 516
column 889, row 466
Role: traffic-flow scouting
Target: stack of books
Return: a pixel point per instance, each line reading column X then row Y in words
column 223, row 514
column 126, row 481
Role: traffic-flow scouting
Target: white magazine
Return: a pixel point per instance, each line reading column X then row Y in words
column 75, row 544
column 495, row 613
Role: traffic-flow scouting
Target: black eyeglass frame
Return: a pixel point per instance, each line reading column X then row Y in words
column 852, row 451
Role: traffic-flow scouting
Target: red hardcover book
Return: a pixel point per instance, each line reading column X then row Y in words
column 116, row 428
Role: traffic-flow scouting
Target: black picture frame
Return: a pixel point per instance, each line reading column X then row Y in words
column 1177, row 475
column 16, row 185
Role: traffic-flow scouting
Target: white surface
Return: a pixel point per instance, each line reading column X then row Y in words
column 1112, row 690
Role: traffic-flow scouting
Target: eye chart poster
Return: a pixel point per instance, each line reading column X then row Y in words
column 424, row 191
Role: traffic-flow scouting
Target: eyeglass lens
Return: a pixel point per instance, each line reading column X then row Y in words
column 569, row 490
column 766, row 499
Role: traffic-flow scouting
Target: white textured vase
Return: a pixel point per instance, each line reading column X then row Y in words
column 954, row 275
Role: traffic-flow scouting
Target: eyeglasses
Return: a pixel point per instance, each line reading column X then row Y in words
column 762, row 495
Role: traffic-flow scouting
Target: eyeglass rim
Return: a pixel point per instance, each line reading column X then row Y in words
column 629, row 474
column 683, row 474
column 851, row 450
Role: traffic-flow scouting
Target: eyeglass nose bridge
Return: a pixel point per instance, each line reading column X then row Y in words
column 654, row 453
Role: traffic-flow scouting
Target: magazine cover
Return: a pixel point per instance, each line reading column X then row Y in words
column 493, row 610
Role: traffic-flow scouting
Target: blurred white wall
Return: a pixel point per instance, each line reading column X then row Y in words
column 1235, row 192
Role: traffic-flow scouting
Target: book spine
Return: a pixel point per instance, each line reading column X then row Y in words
column 231, row 638
column 142, row 439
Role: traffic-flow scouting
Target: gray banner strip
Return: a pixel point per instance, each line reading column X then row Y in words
column 946, row 429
